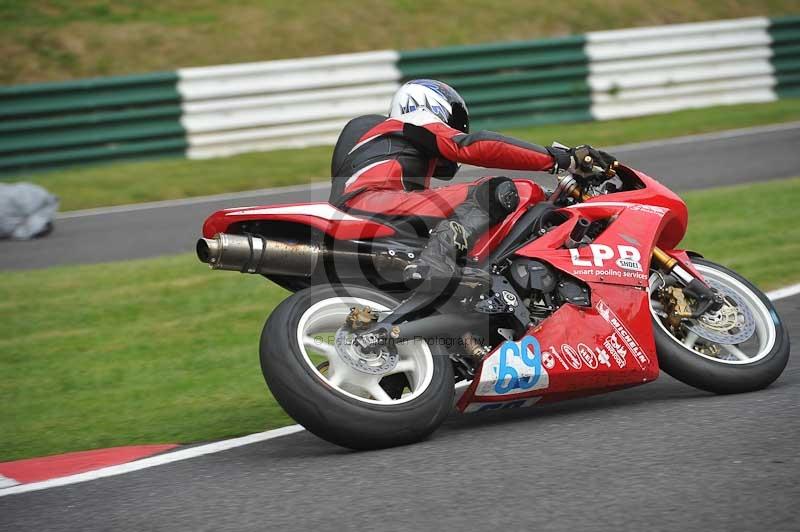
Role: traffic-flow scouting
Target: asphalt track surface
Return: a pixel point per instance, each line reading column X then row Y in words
column 106, row 235
column 662, row 456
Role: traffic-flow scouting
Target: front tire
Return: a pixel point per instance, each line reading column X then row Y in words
column 330, row 397
column 718, row 367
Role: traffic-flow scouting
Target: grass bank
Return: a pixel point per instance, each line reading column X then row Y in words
column 163, row 350
column 61, row 39
column 122, row 183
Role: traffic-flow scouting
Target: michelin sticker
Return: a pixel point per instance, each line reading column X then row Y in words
column 515, row 367
column 621, row 333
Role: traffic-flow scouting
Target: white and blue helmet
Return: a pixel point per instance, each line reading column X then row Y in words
column 437, row 97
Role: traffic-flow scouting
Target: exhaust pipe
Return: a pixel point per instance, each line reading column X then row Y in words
column 255, row 254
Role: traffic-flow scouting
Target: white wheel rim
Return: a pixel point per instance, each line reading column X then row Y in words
column 315, row 333
column 757, row 347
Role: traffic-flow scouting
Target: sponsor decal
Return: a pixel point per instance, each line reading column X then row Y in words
column 588, row 356
column 650, row 209
column 523, row 366
column 548, row 359
column 602, row 253
column 459, row 236
column 556, row 355
column 572, row 356
column 616, row 349
column 501, row 405
column 514, row 367
column 602, row 357
column 628, row 264
column 622, row 333
column 627, row 258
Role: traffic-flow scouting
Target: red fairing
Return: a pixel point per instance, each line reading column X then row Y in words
column 639, row 221
column 529, row 194
column 321, row 215
column 583, row 351
column 619, row 255
column 658, row 195
column 609, row 345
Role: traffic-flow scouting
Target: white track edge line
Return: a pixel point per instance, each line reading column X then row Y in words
column 6, row 482
column 721, row 135
column 224, row 445
column 161, row 459
column 783, row 293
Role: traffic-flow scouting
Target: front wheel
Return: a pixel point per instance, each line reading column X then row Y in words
column 742, row 347
column 359, row 400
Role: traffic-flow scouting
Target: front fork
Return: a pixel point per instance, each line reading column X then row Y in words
column 706, row 299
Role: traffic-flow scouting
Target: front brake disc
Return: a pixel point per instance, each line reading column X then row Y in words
column 730, row 325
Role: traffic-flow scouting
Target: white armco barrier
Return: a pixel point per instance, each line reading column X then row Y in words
column 643, row 71
column 232, row 109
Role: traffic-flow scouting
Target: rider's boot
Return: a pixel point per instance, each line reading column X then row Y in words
column 449, row 242
column 487, row 203
column 438, row 261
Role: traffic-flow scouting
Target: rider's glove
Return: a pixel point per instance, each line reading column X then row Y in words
column 582, row 160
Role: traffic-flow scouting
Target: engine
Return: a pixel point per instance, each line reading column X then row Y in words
column 544, row 289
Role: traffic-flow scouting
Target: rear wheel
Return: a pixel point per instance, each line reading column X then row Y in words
column 354, row 399
column 740, row 348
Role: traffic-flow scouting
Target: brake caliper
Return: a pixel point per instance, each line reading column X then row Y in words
column 361, row 349
column 360, row 318
column 731, row 323
column 677, row 306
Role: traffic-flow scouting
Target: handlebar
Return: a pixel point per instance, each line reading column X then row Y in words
column 609, row 172
column 573, row 187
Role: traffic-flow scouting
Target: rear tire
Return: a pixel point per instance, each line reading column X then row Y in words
column 721, row 376
column 331, row 412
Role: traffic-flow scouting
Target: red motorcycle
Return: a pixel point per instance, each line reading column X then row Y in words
column 587, row 293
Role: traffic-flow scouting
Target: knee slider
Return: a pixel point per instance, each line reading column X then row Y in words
column 507, row 196
column 498, row 197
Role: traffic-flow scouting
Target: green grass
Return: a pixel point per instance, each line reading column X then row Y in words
column 60, row 39
column 749, row 228
column 164, row 350
column 145, row 351
column 122, row 183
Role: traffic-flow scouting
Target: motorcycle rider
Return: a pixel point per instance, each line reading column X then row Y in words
column 378, row 162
